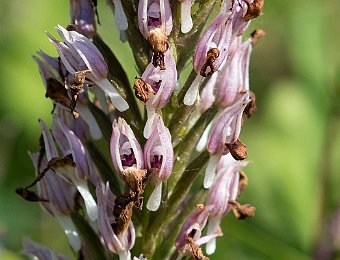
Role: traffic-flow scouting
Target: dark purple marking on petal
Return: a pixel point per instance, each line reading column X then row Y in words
column 129, row 159
column 157, row 161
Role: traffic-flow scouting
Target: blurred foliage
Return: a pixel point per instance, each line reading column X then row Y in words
column 293, row 140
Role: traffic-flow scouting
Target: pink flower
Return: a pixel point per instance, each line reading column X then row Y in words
column 226, row 129
column 224, row 189
column 125, row 149
column 159, row 160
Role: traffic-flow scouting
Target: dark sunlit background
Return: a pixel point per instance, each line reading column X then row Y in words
column 293, row 140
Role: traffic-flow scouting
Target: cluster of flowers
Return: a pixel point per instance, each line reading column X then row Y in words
column 76, row 184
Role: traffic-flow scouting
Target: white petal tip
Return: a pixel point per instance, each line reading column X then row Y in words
column 189, row 99
column 155, row 199
column 208, row 179
column 186, row 21
column 211, row 247
column 119, row 103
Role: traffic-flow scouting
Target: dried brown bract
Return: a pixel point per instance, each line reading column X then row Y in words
column 251, row 107
column 122, row 212
column 136, row 180
column 142, row 89
column 29, row 195
column 254, row 9
column 257, row 35
column 242, row 212
column 75, row 86
column 66, row 161
column 56, row 91
column 159, row 44
column 52, row 165
column 212, row 55
column 238, row 150
column 195, row 250
column 243, row 183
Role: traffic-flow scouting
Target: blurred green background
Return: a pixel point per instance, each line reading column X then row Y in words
column 293, row 140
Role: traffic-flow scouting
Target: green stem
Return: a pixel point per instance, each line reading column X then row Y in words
column 89, row 237
column 105, row 170
column 185, row 149
column 179, row 119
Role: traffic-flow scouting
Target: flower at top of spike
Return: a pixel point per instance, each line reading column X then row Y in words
column 155, row 23
column 211, row 51
column 83, row 60
column 83, row 17
column 159, row 159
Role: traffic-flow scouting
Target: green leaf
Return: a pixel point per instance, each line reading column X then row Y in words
column 89, row 237
column 105, row 169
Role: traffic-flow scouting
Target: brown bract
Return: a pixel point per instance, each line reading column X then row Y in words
column 122, row 212
column 76, row 85
column 212, row 54
column 52, row 165
column 29, row 195
column 242, row 212
column 194, row 249
column 142, row 89
column 254, row 9
column 55, row 163
column 159, row 44
column 136, row 180
column 238, row 150
column 243, row 182
column 257, row 35
column 251, row 106
column 56, row 91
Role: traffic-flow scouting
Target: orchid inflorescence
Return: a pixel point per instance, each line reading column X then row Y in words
column 156, row 153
